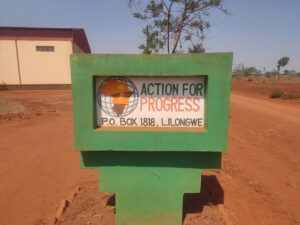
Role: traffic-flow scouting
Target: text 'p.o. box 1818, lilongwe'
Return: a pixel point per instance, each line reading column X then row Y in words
column 149, row 123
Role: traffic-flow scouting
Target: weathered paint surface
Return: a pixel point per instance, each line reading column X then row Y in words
column 149, row 186
column 20, row 63
column 9, row 73
column 149, row 195
column 217, row 69
column 151, row 170
column 44, row 67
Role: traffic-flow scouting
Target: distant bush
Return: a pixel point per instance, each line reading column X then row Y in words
column 269, row 75
column 290, row 96
column 277, row 94
column 280, row 94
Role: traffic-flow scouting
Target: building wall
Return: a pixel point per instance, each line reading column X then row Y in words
column 9, row 74
column 76, row 49
column 42, row 67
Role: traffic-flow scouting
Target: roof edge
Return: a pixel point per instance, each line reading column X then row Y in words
column 77, row 35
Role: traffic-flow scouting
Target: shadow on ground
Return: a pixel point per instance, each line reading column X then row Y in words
column 211, row 194
column 94, row 207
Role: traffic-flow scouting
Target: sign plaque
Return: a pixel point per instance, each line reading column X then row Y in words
column 150, row 102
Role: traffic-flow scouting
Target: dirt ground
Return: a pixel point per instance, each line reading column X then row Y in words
column 40, row 176
column 262, row 87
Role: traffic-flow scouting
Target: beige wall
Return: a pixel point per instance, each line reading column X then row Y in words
column 45, row 67
column 8, row 63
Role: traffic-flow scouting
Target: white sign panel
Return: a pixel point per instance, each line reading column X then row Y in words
column 158, row 102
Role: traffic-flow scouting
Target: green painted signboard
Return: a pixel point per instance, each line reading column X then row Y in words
column 214, row 69
column 149, row 123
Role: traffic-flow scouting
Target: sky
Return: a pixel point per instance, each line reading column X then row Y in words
column 258, row 32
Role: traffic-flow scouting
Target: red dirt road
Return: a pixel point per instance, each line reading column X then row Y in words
column 263, row 162
column 39, row 167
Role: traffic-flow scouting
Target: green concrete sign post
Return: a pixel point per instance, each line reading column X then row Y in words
column 149, row 124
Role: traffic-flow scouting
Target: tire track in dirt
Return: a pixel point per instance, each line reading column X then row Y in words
column 262, row 162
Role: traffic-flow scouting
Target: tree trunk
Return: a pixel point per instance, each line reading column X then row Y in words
column 176, row 42
column 168, row 33
column 278, row 72
column 168, row 24
column 177, row 37
column 180, row 27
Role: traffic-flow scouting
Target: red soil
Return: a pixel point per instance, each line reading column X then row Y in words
column 258, row 183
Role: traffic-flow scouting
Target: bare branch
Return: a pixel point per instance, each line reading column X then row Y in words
column 175, row 22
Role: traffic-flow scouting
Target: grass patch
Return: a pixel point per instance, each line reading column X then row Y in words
column 289, row 96
column 277, row 94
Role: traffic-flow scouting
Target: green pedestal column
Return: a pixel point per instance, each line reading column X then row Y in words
column 150, row 168
column 149, row 195
column 149, row 186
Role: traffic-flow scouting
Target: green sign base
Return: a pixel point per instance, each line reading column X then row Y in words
column 149, row 196
column 149, row 187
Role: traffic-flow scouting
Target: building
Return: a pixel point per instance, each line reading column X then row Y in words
column 38, row 56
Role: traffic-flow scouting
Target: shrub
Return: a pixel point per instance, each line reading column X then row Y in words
column 290, row 96
column 277, row 94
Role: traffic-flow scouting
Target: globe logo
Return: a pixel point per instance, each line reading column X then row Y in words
column 117, row 96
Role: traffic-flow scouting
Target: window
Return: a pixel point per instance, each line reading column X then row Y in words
column 44, row 48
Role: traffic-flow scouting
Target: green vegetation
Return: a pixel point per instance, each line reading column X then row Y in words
column 289, row 96
column 240, row 70
column 198, row 48
column 173, row 24
column 281, row 63
column 277, row 93
column 250, row 72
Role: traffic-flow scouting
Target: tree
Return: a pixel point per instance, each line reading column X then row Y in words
column 197, row 48
column 251, row 71
column 173, row 23
column 152, row 43
column 281, row 63
column 239, row 69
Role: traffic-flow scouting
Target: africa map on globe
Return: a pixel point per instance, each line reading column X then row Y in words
column 117, row 96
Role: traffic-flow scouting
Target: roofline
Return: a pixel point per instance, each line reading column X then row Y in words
column 77, row 36
column 41, row 28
